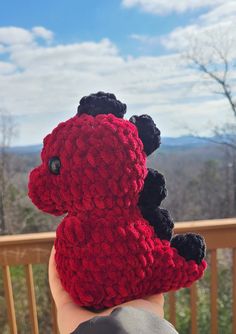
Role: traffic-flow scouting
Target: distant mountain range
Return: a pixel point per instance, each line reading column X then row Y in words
column 185, row 141
column 167, row 142
column 26, row 149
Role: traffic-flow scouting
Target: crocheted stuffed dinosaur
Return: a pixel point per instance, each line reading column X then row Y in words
column 115, row 243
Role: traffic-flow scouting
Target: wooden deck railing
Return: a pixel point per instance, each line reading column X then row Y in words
column 31, row 249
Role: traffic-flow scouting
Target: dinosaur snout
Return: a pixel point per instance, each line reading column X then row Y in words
column 43, row 192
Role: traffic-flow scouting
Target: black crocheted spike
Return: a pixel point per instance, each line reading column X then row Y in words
column 154, row 190
column 148, row 132
column 190, row 245
column 101, row 103
column 161, row 220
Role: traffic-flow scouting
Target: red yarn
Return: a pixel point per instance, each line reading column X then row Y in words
column 106, row 252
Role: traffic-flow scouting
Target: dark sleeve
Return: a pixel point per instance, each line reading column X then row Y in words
column 126, row 320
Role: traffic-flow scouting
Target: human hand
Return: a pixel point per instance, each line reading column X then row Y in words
column 70, row 315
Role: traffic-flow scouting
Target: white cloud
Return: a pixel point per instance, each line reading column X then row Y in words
column 147, row 42
column 200, row 105
column 215, row 27
column 15, row 35
column 52, row 79
column 6, row 68
column 166, row 7
column 2, row 49
column 43, row 33
column 182, row 118
column 42, row 81
column 182, row 38
column 223, row 12
column 65, row 56
column 218, row 24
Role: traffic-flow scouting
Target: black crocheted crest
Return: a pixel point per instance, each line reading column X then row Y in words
column 148, row 132
column 101, row 103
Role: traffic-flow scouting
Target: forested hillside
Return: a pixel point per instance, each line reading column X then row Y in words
column 200, row 180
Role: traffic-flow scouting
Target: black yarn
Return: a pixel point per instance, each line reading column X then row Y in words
column 150, row 198
column 101, row 103
column 161, row 220
column 148, row 132
column 190, row 245
column 154, row 190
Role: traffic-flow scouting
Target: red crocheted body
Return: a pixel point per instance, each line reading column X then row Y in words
column 106, row 252
column 105, row 262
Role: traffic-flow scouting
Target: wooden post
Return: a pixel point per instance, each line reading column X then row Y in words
column 9, row 299
column 31, row 298
column 54, row 316
column 193, row 300
column 214, row 314
column 172, row 303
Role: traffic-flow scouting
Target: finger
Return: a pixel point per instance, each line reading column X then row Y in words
column 157, row 299
column 60, row 296
column 52, row 272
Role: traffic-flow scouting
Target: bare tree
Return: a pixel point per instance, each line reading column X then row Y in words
column 7, row 132
column 213, row 56
column 218, row 73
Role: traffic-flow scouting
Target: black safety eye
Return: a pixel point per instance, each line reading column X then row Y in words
column 54, row 165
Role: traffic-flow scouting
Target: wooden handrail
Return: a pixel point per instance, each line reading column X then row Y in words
column 198, row 226
column 35, row 248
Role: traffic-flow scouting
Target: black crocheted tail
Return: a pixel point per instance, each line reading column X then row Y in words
column 153, row 193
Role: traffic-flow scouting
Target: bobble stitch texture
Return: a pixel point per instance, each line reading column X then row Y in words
column 107, row 253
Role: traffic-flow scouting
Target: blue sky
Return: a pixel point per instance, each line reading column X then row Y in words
column 54, row 52
column 77, row 21
column 74, row 21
